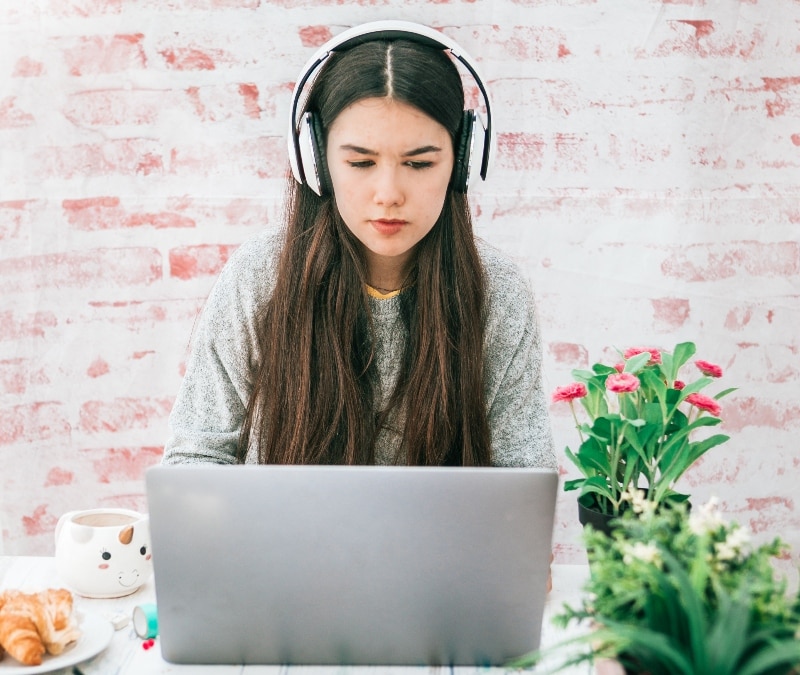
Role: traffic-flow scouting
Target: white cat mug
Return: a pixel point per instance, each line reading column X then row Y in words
column 103, row 553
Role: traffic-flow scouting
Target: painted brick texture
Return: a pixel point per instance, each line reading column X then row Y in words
column 647, row 178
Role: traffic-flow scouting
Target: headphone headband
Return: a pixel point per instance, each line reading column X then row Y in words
column 382, row 30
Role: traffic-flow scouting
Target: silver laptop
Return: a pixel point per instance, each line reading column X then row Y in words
column 351, row 565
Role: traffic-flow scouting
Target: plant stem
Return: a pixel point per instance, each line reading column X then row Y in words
column 575, row 417
column 615, row 452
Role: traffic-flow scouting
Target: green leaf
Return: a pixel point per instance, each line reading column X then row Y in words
column 693, row 608
column 653, row 383
column 605, row 429
column 597, row 485
column 727, row 637
column 679, row 437
column 694, row 387
column 593, row 455
column 583, row 375
column 595, row 402
column 784, row 653
column 653, row 414
column 663, row 614
column 631, row 468
column 678, row 449
column 699, row 448
column 681, row 354
column 636, row 363
column 634, row 438
column 667, row 368
column 627, row 405
column 585, row 469
column 658, row 645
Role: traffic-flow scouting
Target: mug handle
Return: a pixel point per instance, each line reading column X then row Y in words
column 61, row 521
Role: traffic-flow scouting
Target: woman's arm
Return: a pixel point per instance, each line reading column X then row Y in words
column 519, row 419
column 206, row 419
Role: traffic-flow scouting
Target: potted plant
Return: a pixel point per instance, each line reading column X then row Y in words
column 673, row 593
column 641, row 428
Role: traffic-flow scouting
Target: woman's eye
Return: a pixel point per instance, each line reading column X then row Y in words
column 420, row 165
column 361, row 164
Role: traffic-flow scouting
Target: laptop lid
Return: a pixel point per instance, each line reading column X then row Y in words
column 361, row 565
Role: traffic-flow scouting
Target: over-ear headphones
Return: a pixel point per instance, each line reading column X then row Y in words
column 306, row 137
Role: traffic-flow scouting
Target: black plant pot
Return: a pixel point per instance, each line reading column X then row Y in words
column 589, row 514
column 603, row 522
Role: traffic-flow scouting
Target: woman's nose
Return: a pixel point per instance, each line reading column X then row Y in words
column 388, row 190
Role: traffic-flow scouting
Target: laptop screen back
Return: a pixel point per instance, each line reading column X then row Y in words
column 350, row 565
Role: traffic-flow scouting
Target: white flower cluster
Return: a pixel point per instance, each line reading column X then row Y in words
column 706, row 519
column 647, row 553
column 639, row 502
column 732, row 547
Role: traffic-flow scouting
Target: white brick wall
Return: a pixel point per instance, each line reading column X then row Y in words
column 646, row 178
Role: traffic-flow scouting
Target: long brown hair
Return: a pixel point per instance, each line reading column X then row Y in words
column 315, row 390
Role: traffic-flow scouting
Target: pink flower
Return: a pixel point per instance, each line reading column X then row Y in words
column 570, row 392
column 704, row 403
column 621, row 383
column 655, row 355
column 619, row 367
column 679, row 384
column 710, row 369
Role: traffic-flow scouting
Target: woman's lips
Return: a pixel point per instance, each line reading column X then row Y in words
column 388, row 226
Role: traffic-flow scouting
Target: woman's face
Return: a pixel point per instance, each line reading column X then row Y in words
column 390, row 165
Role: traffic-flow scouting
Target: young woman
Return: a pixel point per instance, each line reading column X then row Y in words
column 373, row 328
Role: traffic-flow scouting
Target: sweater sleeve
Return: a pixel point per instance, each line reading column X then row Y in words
column 207, row 416
column 518, row 415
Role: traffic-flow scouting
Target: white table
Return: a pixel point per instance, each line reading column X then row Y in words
column 126, row 656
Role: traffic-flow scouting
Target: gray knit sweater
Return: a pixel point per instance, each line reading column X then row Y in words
column 208, row 411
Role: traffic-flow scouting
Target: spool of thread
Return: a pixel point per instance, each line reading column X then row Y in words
column 145, row 621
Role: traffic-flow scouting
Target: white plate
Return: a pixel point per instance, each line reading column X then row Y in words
column 96, row 634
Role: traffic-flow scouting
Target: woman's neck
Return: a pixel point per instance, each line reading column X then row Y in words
column 387, row 275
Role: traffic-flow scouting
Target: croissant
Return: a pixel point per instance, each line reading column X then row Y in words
column 20, row 637
column 61, row 628
column 34, row 623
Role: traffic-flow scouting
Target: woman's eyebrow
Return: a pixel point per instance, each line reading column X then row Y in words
column 357, row 149
column 422, row 151
column 411, row 153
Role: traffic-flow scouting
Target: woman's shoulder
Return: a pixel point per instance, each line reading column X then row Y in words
column 254, row 261
column 259, row 252
column 248, row 277
column 506, row 283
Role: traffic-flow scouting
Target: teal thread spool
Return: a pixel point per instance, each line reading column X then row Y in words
column 145, row 621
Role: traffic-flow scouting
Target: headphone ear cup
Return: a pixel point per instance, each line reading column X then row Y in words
column 321, row 160
column 463, row 154
column 313, row 164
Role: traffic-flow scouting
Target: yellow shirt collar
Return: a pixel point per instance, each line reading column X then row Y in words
column 380, row 295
